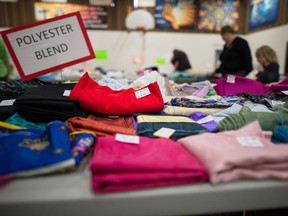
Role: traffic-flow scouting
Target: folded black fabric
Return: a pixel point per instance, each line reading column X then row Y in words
column 265, row 99
column 6, row 112
column 47, row 103
column 182, row 129
column 15, row 88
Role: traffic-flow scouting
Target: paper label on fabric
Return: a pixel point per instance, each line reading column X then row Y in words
column 231, row 79
column 67, row 93
column 285, row 92
column 250, row 141
column 276, row 103
column 142, row 93
column 205, row 120
column 7, row 102
column 164, row 132
column 127, row 138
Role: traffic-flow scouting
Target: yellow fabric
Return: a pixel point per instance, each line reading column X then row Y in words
column 9, row 126
column 186, row 111
column 151, row 118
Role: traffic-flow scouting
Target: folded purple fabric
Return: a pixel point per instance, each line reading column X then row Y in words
column 232, row 84
column 118, row 166
column 202, row 92
column 280, row 86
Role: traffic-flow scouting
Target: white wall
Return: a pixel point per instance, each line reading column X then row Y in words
column 200, row 48
column 123, row 46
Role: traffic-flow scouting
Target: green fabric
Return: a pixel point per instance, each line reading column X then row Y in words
column 268, row 121
column 211, row 93
column 3, row 57
column 18, row 120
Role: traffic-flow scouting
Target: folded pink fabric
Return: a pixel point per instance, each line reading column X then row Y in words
column 118, row 166
column 228, row 158
column 280, row 86
column 232, row 84
column 103, row 99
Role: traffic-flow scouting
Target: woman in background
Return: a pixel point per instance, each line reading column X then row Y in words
column 268, row 69
column 236, row 56
column 180, row 61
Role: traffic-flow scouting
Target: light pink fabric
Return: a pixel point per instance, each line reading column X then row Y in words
column 118, row 166
column 227, row 160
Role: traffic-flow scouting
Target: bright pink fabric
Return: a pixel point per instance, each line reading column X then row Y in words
column 103, row 99
column 5, row 179
column 118, row 166
column 241, row 85
column 227, row 160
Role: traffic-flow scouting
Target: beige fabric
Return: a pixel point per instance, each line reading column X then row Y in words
column 153, row 118
column 186, row 111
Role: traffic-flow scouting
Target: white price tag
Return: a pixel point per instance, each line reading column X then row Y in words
column 142, row 93
column 127, row 138
column 7, row 102
column 164, row 132
column 231, row 79
column 205, row 119
column 250, row 141
column 67, row 93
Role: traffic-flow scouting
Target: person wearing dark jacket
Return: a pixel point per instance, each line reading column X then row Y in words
column 268, row 69
column 180, row 61
column 236, row 56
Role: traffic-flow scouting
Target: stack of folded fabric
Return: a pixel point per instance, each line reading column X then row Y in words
column 147, row 125
column 47, row 103
column 102, row 126
column 223, row 102
column 270, row 100
column 118, row 166
column 104, row 100
column 246, row 153
column 232, row 84
column 269, row 121
column 9, row 91
column 15, row 88
column 30, row 152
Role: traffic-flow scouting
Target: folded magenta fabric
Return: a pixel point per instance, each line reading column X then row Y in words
column 280, row 86
column 246, row 153
column 119, row 166
column 234, row 85
column 104, row 100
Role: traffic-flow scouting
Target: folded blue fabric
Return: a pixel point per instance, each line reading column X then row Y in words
column 26, row 149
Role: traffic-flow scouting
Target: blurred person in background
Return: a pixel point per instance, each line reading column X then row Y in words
column 180, row 61
column 268, row 68
column 236, row 56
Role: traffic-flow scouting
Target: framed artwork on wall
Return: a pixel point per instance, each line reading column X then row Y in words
column 94, row 17
column 175, row 14
column 262, row 13
column 214, row 14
